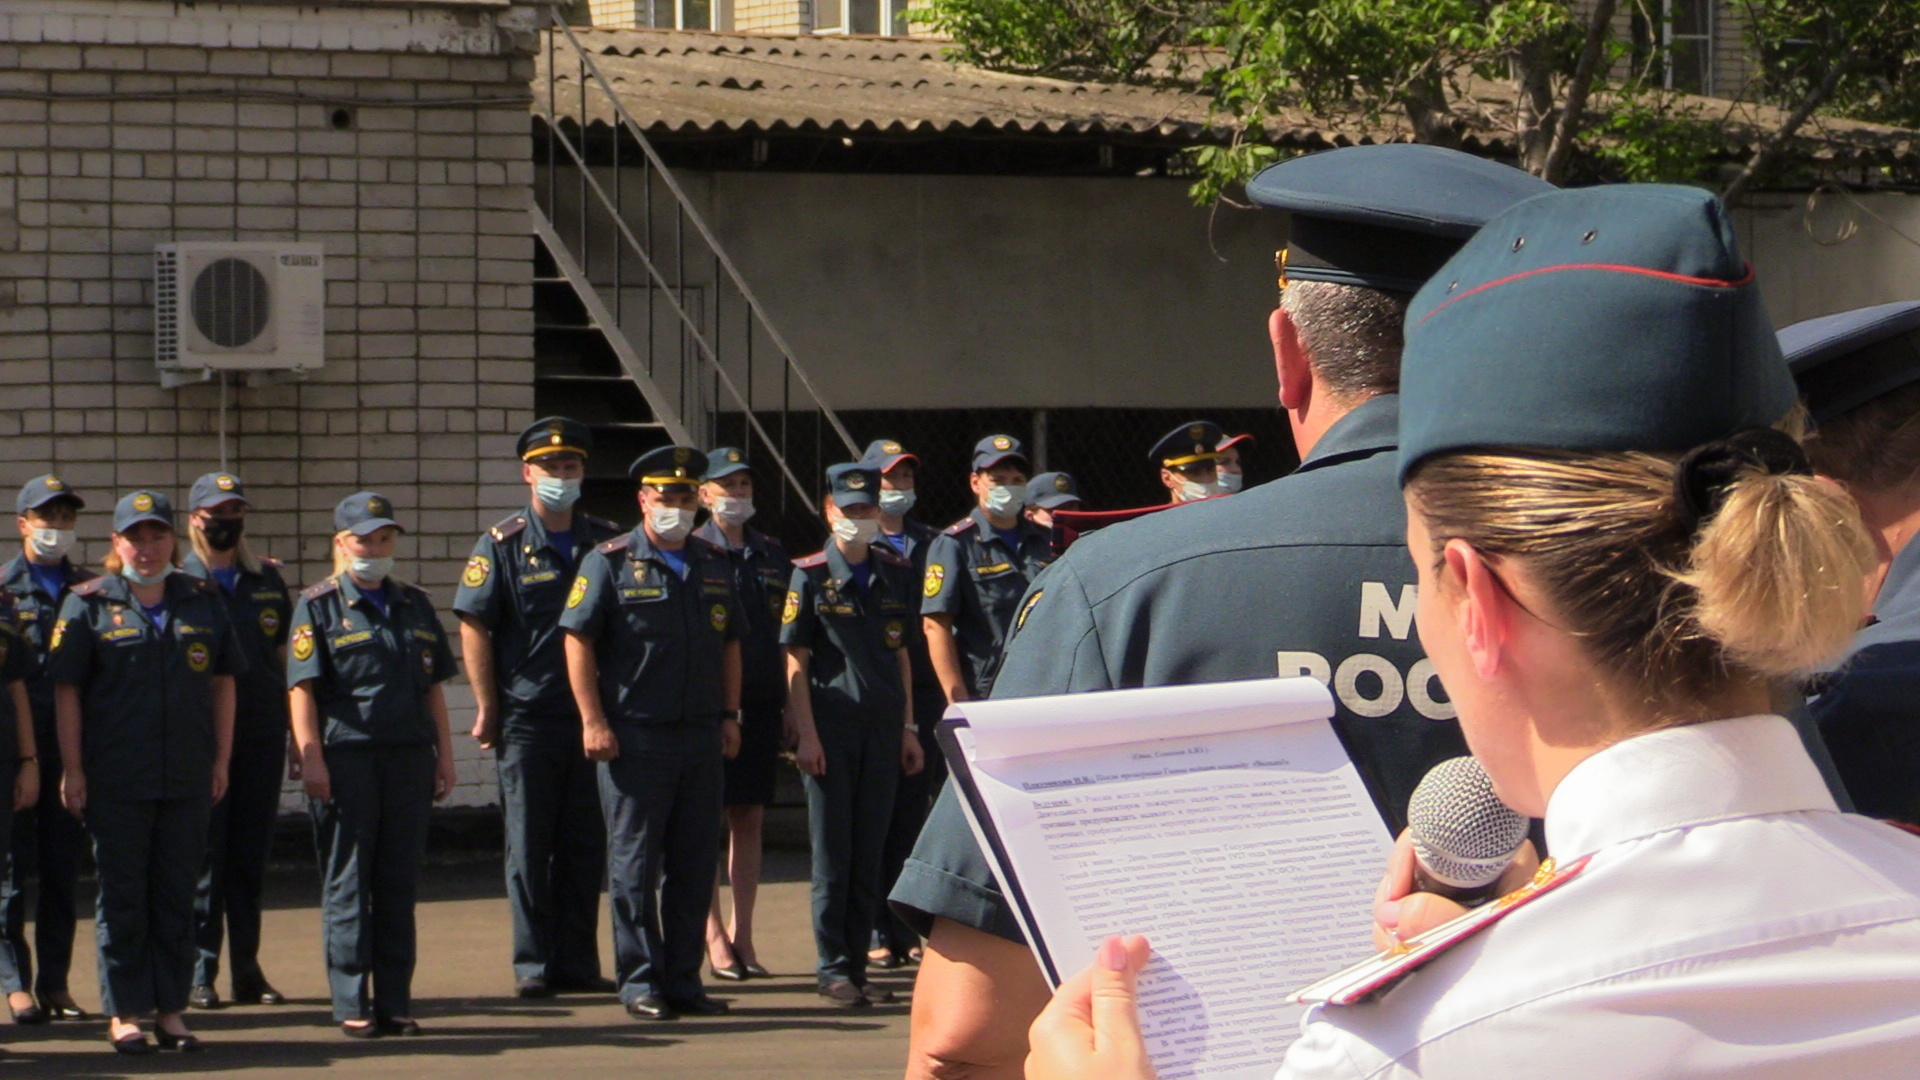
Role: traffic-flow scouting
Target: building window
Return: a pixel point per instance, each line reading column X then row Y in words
column 684, row 14
column 1673, row 44
column 861, row 17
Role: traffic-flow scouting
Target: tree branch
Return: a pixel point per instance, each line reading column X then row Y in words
column 1599, row 33
column 1764, row 154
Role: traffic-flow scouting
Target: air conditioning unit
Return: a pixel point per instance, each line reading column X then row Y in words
column 248, row 307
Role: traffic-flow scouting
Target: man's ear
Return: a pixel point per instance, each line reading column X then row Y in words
column 1290, row 361
column 1486, row 608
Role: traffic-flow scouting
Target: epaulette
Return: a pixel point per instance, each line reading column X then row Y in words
column 1373, row 977
column 206, row 586
column 808, row 562
column 81, row 574
column 316, row 591
column 88, row 587
column 510, row 527
column 707, row 548
column 618, row 543
column 960, row 526
column 600, row 523
column 415, row 587
column 887, row 555
column 272, row 563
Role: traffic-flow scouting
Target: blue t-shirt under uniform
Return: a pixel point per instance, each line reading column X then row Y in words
column 158, row 613
column 228, row 577
column 676, row 560
column 862, row 572
column 51, row 579
column 379, row 597
column 1009, row 537
column 562, row 542
column 897, row 540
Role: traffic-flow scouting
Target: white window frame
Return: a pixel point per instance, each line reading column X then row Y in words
column 1668, row 39
column 890, row 10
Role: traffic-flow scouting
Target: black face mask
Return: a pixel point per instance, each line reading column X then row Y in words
column 223, row 533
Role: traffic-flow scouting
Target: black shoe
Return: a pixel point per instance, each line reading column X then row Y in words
column 368, row 1030
column 186, row 1044
column 203, row 997
column 399, row 1027
column 845, row 995
column 592, row 984
column 134, row 1045
column 651, row 1008
column 734, row 972
column 886, row 961
column 879, row 995
column 757, row 971
column 532, row 987
column 32, row 1014
column 703, row 1006
column 260, row 993
column 65, row 1012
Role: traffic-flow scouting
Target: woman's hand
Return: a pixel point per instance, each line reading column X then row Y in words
column 444, row 777
column 73, row 791
column 811, row 756
column 912, row 757
column 1091, row 1028
column 220, row 776
column 729, row 739
column 26, row 786
column 314, row 776
column 1400, row 914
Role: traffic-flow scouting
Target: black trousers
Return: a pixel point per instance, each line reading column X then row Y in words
column 371, row 837
column 46, row 842
column 149, row 854
column 662, row 798
column 239, row 839
column 848, row 812
column 556, row 859
column 912, row 799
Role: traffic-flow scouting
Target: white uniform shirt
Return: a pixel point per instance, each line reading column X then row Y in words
column 1731, row 923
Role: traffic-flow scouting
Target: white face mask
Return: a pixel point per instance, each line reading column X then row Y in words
column 52, row 543
column 1004, row 501
column 371, row 569
column 670, row 523
column 556, row 494
column 139, row 578
column 856, row 531
column 1191, row 490
column 732, row 511
column 896, row 503
column 1230, row 482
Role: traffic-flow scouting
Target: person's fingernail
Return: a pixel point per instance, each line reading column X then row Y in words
column 1387, row 913
column 1113, row 955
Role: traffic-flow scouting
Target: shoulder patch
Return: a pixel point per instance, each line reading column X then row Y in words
column 319, row 589
column 936, row 576
column 618, row 543
column 1370, row 978
column 960, row 526
column 808, row 562
column 1026, row 609
column 88, row 587
column 510, row 527
column 475, row 575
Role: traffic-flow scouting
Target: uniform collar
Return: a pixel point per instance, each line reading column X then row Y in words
column 710, row 532
column 1680, row 777
column 641, row 549
column 118, row 589
column 839, row 570
column 1901, row 589
column 351, row 593
column 18, row 567
column 1372, row 426
column 195, row 566
column 1021, row 528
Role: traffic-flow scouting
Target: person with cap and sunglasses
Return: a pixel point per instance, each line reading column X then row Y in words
column 894, row 943
column 1307, row 575
column 1048, row 492
column 1859, row 376
column 143, row 661
column 240, row 829
column 1621, row 550
column 760, row 569
column 367, row 656
column 509, row 601
column 1229, row 473
column 1189, row 462
column 653, row 655
column 977, row 570
column 45, row 837
column 850, row 701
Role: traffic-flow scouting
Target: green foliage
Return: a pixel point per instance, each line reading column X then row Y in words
column 1798, row 41
column 1067, row 39
column 1217, row 170
column 1649, row 136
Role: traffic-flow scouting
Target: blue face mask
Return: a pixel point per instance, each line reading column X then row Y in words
column 896, row 503
column 127, row 571
column 556, row 494
column 1005, row 501
column 371, row 569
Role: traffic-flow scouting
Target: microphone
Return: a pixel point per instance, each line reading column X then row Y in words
column 1464, row 837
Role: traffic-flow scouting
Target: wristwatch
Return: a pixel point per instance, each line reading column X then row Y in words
column 730, row 714
column 913, row 728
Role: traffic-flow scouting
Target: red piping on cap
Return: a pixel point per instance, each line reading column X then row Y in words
column 1713, row 283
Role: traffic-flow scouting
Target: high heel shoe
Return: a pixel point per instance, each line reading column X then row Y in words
column 57, row 1011
column 734, row 972
column 757, row 971
column 32, row 1014
column 133, row 1044
column 186, row 1044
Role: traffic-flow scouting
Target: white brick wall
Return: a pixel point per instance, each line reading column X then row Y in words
column 125, row 129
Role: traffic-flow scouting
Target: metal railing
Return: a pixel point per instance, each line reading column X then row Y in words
column 688, row 329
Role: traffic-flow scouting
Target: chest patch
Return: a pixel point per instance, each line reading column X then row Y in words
column 199, row 657
column 342, row 641
column 121, row 633
column 540, row 577
column 577, row 593
column 475, row 575
column 59, row 635
column 996, row 568
column 302, row 642
column 936, row 576
column 269, row 621
column 896, row 634
column 717, row 615
column 642, row 593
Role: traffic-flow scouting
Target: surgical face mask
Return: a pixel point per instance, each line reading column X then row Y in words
column 856, row 531
column 1231, row 482
column 1004, row 501
column 670, row 523
column 371, row 569
column 1191, row 490
column 896, row 503
column 556, row 494
column 52, row 543
column 732, row 511
column 127, row 571
column 223, row 534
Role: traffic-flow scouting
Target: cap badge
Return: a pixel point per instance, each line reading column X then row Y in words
column 377, row 506
column 681, row 454
column 224, row 483
column 1060, row 483
column 54, row 483
column 733, row 457
column 856, row 482
column 1001, row 442
column 143, row 502
column 1196, row 431
column 890, row 447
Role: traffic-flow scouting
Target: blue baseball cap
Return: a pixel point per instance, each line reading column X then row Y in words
column 725, row 461
column 1050, row 490
column 1606, row 318
column 42, row 490
column 853, row 484
column 136, row 507
column 214, row 489
column 884, row 454
column 995, row 449
column 1844, row 361
column 364, row 512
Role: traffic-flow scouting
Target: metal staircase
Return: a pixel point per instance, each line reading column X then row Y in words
column 643, row 327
